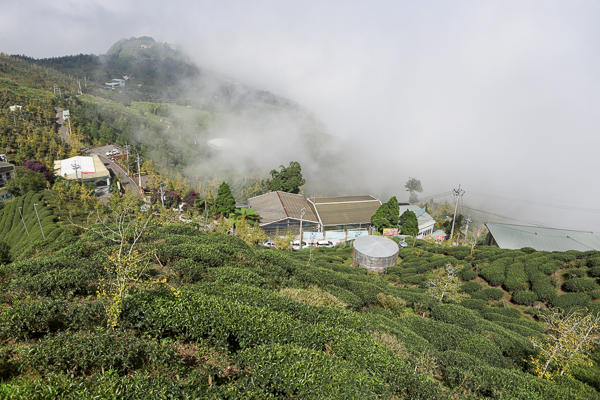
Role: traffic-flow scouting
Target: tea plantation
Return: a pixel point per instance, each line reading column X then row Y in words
column 260, row 323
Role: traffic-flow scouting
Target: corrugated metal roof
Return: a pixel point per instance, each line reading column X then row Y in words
column 343, row 199
column 542, row 239
column 376, row 246
column 88, row 168
column 347, row 213
column 275, row 206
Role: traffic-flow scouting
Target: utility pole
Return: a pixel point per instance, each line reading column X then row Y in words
column 302, row 212
column 467, row 221
column 21, row 214
column 457, row 193
column 139, row 171
column 38, row 218
column 127, row 146
column 75, row 167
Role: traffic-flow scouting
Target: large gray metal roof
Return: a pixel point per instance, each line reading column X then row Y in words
column 276, row 206
column 376, row 246
column 542, row 239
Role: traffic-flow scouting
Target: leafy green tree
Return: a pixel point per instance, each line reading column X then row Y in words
column 25, row 181
column 225, row 202
column 286, row 179
column 413, row 185
column 410, row 224
column 107, row 134
column 394, row 210
column 381, row 218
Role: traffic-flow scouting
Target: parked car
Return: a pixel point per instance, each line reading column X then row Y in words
column 296, row 244
column 268, row 243
column 324, row 243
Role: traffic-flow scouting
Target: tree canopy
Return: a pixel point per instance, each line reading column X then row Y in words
column 410, row 224
column 26, row 180
column 413, row 185
column 225, row 202
column 287, row 179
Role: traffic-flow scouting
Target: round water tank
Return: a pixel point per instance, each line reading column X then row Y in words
column 375, row 253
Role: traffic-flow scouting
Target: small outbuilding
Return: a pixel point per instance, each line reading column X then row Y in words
column 375, row 253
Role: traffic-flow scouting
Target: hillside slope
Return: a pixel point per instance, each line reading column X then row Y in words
column 255, row 323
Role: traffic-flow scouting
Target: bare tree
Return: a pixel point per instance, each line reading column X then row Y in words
column 446, row 285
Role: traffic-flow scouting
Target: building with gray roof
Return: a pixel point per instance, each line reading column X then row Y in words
column 426, row 221
column 280, row 212
column 542, row 239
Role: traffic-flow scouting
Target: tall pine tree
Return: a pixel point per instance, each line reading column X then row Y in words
column 225, row 202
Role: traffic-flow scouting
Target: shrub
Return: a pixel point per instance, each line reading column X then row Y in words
column 489, row 294
column 580, row 285
column 549, row 268
column 571, row 299
column 524, row 298
column 188, row 270
column 495, row 273
column 474, row 304
column 468, row 274
column 595, row 271
column 574, row 273
column 470, row 287
column 83, row 354
column 415, row 279
column 593, row 262
column 544, row 290
column 516, row 279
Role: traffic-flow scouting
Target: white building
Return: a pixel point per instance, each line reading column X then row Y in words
column 426, row 221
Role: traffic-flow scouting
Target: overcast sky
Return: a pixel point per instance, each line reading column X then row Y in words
column 502, row 97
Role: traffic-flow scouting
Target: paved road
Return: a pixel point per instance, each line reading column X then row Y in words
column 127, row 181
column 62, row 130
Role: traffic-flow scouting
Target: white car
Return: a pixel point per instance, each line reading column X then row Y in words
column 268, row 243
column 296, row 244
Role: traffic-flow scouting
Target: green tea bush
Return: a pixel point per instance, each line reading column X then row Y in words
column 549, row 268
column 188, row 270
column 468, row 274
column 495, row 273
column 580, row 285
column 574, row 273
column 509, row 312
column 474, row 304
column 516, row 279
column 230, row 275
column 57, row 283
column 86, row 353
column 36, row 318
column 307, row 374
column 544, row 290
column 353, row 301
column 470, row 287
column 489, row 294
column 571, row 299
column 415, row 279
column 444, row 336
column 463, row 370
column 594, row 271
column 524, row 298
column 593, row 262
